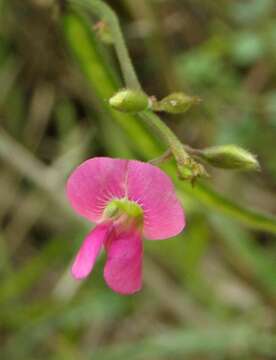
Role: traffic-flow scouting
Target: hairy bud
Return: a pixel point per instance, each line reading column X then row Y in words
column 230, row 157
column 176, row 103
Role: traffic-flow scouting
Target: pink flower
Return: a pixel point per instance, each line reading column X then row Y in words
column 126, row 199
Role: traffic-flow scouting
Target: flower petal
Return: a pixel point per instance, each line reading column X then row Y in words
column 89, row 251
column 123, row 268
column 94, row 183
column 154, row 191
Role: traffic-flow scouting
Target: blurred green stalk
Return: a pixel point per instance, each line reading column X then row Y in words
column 232, row 341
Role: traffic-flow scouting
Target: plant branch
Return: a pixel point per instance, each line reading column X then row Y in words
column 76, row 32
column 175, row 146
column 105, row 12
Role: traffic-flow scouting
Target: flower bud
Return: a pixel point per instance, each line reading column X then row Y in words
column 230, row 157
column 130, row 101
column 176, row 103
column 191, row 170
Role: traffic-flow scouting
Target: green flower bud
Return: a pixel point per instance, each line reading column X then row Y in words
column 230, row 157
column 191, row 170
column 176, row 103
column 130, row 101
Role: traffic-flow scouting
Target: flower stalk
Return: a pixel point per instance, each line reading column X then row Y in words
column 188, row 168
column 106, row 14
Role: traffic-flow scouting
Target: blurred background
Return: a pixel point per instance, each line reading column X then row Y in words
column 208, row 294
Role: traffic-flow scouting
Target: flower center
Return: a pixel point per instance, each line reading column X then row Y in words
column 123, row 207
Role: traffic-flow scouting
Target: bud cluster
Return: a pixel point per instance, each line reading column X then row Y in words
column 226, row 156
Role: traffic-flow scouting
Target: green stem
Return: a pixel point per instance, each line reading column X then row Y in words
column 105, row 12
column 170, row 138
column 255, row 219
column 167, row 155
column 102, row 10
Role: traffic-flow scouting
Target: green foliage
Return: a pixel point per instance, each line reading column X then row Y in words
column 210, row 293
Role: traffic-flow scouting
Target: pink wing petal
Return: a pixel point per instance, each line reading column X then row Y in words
column 94, row 183
column 154, row 191
column 89, row 251
column 123, row 268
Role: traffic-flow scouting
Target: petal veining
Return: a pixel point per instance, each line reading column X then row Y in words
column 94, row 183
column 153, row 190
